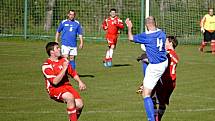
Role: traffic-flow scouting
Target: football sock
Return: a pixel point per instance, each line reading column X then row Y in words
column 107, row 54
column 78, row 112
column 72, row 62
column 72, row 114
column 213, row 46
column 111, row 53
column 203, row 44
column 160, row 113
column 149, row 107
column 144, row 65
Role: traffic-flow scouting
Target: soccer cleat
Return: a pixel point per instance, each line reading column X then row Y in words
column 140, row 89
column 109, row 63
column 105, row 64
column 201, row 49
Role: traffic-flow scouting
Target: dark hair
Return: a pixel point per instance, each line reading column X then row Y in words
column 173, row 40
column 113, row 9
column 71, row 11
column 210, row 8
column 50, row 46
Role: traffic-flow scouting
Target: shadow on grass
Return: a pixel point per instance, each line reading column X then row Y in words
column 87, row 75
column 208, row 51
column 121, row 65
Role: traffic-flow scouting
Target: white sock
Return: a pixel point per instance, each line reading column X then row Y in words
column 111, row 52
column 107, row 54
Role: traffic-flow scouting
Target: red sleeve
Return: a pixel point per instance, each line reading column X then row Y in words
column 71, row 72
column 104, row 24
column 174, row 56
column 120, row 24
column 48, row 73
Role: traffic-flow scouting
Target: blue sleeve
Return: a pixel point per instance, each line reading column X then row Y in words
column 140, row 38
column 60, row 27
column 80, row 30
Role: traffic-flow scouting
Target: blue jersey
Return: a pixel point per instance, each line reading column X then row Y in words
column 155, row 45
column 69, row 30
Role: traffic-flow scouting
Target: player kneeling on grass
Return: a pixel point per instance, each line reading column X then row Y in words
column 165, row 86
column 56, row 70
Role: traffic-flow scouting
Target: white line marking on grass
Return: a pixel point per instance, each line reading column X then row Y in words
column 105, row 111
column 197, row 96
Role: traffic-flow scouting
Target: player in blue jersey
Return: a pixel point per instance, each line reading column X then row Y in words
column 154, row 41
column 69, row 30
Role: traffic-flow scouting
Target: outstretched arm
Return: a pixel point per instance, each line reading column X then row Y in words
column 129, row 25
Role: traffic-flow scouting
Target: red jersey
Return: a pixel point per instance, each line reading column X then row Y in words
column 170, row 73
column 112, row 25
column 51, row 69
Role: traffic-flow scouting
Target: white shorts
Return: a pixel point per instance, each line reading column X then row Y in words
column 154, row 73
column 66, row 50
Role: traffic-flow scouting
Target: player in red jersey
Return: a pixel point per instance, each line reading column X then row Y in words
column 111, row 25
column 56, row 70
column 165, row 86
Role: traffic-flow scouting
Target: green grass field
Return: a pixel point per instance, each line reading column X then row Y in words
column 110, row 94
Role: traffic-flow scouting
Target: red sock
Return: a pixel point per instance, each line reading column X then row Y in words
column 78, row 112
column 203, row 44
column 213, row 46
column 72, row 114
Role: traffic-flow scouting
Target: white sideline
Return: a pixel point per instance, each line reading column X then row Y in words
column 119, row 111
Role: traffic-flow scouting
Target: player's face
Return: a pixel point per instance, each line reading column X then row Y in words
column 113, row 14
column 168, row 44
column 56, row 51
column 210, row 12
column 71, row 15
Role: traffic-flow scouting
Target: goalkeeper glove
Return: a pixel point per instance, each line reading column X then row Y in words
column 202, row 30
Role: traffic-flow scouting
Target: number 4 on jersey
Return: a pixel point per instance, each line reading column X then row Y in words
column 159, row 44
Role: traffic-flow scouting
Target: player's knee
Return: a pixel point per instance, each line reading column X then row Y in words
column 146, row 92
column 68, row 97
column 79, row 103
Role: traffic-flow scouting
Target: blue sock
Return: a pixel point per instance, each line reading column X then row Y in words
column 144, row 65
column 72, row 62
column 149, row 107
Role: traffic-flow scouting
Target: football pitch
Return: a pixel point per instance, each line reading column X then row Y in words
column 110, row 94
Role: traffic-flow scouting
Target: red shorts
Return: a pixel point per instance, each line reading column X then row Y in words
column 164, row 90
column 56, row 93
column 111, row 39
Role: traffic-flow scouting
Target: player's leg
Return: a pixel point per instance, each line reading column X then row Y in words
column 153, row 74
column 140, row 88
column 65, row 51
column 78, row 101
column 213, row 42
column 71, row 107
column 204, row 41
column 148, row 104
column 72, row 61
column 73, row 52
column 79, row 106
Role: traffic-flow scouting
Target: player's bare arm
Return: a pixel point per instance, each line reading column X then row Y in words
column 60, row 76
column 202, row 25
column 129, row 25
column 81, row 84
column 81, row 45
column 57, row 35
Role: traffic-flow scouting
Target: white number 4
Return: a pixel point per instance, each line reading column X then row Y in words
column 159, row 43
